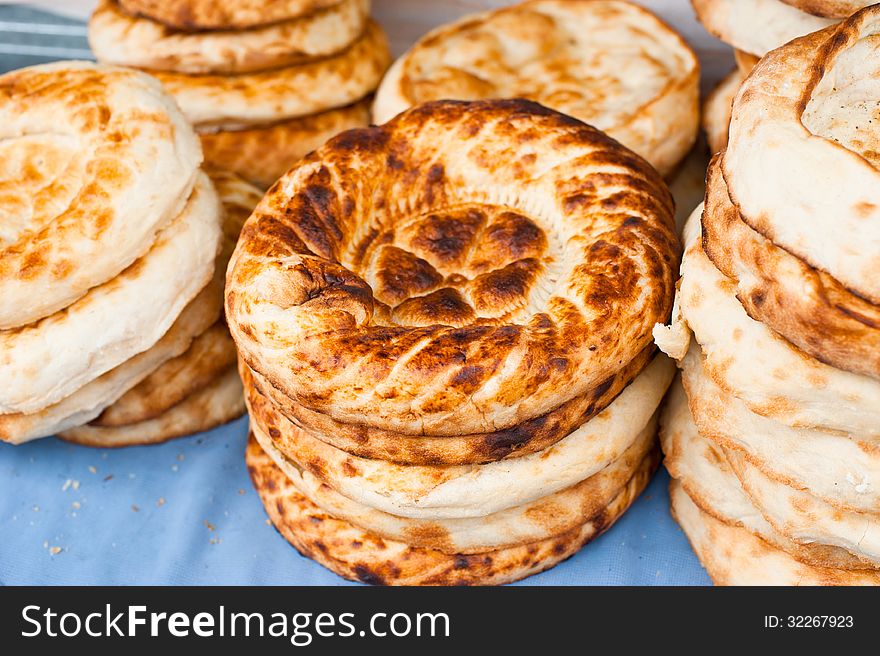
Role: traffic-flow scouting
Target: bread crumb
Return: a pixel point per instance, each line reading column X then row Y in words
column 241, row 491
column 135, row 508
column 92, row 469
column 66, row 485
column 54, row 550
column 76, row 505
column 209, row 525
column 160, row 502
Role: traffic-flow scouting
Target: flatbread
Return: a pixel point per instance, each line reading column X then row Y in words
column 94, row 162
column 210, row 354
column 806, row 519
column 263, row 154
column 213, row 406
column 702, row 469
column 808, row 307
column 843, row 471
column 800, row 166
column 733, row 556
column 477, row 490
column 266, row 97
column 756, row 26
column 117, row 37
column 360, row 556
column 522, row 439
column 611, row 64
column 767, row 373
column 89, row 401
column 717, row 109
column 541, row 519
column 196, row 15
column 49, row 360
column 356, row 291
column 829, row 8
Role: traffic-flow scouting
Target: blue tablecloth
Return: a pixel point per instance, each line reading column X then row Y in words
column 185, row 513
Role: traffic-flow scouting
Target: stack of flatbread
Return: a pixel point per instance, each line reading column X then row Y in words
column 609, row 63
column 444, row 330
column 753, row 28
column 110, row 262
column 264, row 82
column 773, row 442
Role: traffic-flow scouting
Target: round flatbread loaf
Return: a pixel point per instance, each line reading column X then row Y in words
column 843, row 471
column 94, row 162
column 801, row 165
column 756, row 26
column 829, row 8
column 734, row 556
column 717, row 109
column 356, row 289
column 702, row 469
column 197, row 15
column 772, row 377
column 475, row 490
column 115, row 386
column 117, row 37
column 213, row 406
column 46, row 361
column 541, row 519
column 89, row 401
column 611, row 64
column 477, row 448
column 263, row 154
column 809, row 308
column 279, row 94
column 358, row 555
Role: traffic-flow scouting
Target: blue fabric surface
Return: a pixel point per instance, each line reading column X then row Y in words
column 185, row 513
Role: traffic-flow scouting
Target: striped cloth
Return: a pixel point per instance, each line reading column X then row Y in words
column 30, row 36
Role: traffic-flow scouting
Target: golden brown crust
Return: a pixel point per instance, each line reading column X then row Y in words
column 808, row 307
column 266, row 97
column 194, row 15
column 393, row 318
column 546, row 517
column 117, row 37
column 263, row 154
column 522, row 439
column 190, row 369
column 210, row 354
column 700, row 463
column 611, row 64
column 361, row 556
column 733, row 556
column 213, row 406
column 71, row 187
column 800, row 165
column 829, row 8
